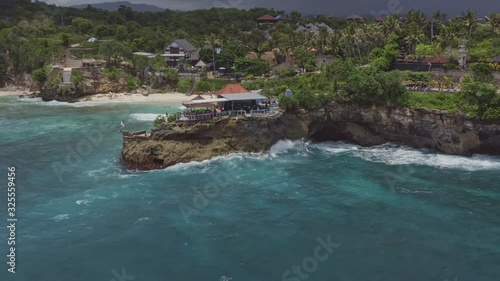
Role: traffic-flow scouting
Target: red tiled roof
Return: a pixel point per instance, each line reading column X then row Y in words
column 236, row 88
column 437, row 59
column 198, row 97
column 266, row 17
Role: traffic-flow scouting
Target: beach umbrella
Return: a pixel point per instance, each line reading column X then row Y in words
column 183, row 108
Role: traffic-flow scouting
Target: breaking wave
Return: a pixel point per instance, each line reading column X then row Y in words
column 145, row 116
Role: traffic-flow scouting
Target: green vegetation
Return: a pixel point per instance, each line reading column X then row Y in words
column 478, row 100
column 183, row 85
column 76, row 76
column 247, row 66
column 173, row 117
column 39, row 35
column 210, row 85
column 482, row 72
column 438, row 101
column 159, row 120
column 40, row 76
column 133, row 82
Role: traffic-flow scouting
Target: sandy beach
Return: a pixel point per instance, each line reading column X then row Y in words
column 121, row 97
column 171, row 98
column 13, row 93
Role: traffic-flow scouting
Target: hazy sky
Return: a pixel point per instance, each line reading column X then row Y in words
column 328, row 7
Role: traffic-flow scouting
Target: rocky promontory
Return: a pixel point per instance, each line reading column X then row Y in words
column 182, row 142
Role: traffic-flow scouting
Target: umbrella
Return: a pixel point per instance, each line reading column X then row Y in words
column 183, row 107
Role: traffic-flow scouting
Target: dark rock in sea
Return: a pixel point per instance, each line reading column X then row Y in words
column 179, row 142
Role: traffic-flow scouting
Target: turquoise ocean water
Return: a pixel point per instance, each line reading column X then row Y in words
column 393, row 213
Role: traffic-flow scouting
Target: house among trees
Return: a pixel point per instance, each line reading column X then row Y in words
column 268, row 19
column 181, row 50
column 235, row 88
column 269, row 57
column 314, row 28
column 495, row 63
column 355, row 17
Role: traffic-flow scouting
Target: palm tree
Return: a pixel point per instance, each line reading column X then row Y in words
column 415, row 16
column 446, row 36
column 414, row 36
column 438, row 20
column 334, row 41
column 392, row 24
column 493, row 19
column 322, row 40
column 439, row 17
column 470, row 21
column 213, row 41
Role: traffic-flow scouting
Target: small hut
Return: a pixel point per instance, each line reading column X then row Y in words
column 495, row 63
column 201, row 65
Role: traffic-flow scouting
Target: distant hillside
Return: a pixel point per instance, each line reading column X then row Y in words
column 113, row 6
column 7, row 7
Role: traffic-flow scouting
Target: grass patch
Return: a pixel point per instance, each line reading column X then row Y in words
column 439, row 101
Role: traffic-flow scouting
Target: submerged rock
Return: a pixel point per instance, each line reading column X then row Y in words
column 179, row 142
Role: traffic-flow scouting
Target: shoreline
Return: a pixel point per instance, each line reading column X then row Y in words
column 7, row 93
column 139, row 98
column 171, row 98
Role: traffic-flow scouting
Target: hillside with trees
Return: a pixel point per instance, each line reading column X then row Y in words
column 39, row 35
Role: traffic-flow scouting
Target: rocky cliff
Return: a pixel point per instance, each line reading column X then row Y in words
column 92, row 81
column 174, row 143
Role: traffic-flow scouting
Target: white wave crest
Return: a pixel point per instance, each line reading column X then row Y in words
column 390, row 154
column 60, row 217
column 82, row 202
column 400, row 155
column 141, row 220
column 39, row 101
column 284, row 146
column 145, row 116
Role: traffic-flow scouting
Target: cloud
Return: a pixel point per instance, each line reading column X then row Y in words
column 328, row 7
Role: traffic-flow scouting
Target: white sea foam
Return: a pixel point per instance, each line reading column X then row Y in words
column 59, row 103
column 60, row 217
column 145, row 116
column 82, row 202
column 387, row 154
column 97, row 173
column 122, row 176
column 335, row 147
column 398, row 155
column 204, row 166
column 141, row 220
column 392, row 155
column 284, row 146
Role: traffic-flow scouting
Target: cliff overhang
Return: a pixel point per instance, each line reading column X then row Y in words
column 181, row 142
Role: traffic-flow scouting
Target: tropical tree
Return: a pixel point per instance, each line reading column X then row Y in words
column 493, row 19
column 81, row 25
column 470, row 21
column 438, row 20
column 304, row 58
column 414, row 35
column 113, row 51
column 334, row 43
column 214, row 42
column 248, row 66
column 392, row 24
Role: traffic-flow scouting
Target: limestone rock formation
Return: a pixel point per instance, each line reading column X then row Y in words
column 179, row 142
